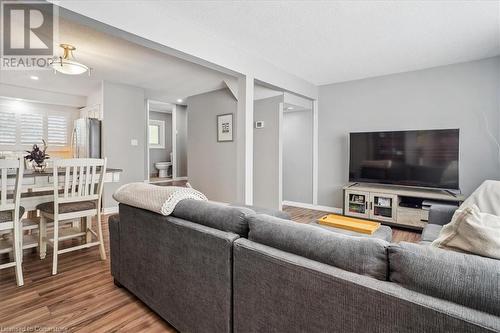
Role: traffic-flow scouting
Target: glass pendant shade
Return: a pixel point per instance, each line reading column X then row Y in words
column 66, row 64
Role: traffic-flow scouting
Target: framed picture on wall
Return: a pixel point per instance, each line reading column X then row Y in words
column 225, row 127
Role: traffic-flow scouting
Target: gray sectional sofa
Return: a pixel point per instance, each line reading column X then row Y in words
column 215, row 268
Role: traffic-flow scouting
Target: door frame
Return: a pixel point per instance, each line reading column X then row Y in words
column 174, row 137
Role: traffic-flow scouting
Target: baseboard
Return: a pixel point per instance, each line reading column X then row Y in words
column 110, row 210
column 181, row 178
column 313, row 207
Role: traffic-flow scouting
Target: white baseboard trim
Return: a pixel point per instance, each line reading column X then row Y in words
column 313, row 207
column 181, row 178
column 110, row 210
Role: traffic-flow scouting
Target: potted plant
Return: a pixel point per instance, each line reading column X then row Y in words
column 37, row 157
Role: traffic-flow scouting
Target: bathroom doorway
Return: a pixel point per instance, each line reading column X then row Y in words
column 161, row 141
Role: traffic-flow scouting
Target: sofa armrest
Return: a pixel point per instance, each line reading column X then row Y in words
column 114, row 245
column 441, row 214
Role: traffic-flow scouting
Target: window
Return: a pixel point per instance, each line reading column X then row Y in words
column 57, row 130
column 156, row 134
column 7, row 128
column 23, row 124
column 31, row 128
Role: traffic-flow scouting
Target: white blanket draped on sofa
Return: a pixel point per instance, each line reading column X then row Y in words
column 158, row 199
column 475, row 226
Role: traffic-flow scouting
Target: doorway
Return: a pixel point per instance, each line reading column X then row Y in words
column 161, row 141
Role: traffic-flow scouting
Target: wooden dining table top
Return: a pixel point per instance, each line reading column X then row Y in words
column 50, row 172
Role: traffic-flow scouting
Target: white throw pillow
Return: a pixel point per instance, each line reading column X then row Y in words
column 472, row 231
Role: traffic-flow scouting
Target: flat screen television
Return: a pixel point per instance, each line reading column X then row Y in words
column 422, row 158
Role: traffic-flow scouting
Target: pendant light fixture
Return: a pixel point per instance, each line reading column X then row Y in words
column 67, row 64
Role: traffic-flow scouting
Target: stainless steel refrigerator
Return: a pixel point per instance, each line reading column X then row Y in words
column 86, row 138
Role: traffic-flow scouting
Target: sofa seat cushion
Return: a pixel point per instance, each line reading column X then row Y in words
column 214, row 215
column 8, row 215
column 69, row 207
column 431, row 232
column 465, row 279
column 267, row 211
column 366, row 256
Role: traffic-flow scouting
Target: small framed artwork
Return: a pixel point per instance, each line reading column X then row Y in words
column 225, row 127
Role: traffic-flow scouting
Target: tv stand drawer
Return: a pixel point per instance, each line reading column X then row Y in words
column 415, row 217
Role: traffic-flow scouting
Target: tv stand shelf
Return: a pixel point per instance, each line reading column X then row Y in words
column 405, row 207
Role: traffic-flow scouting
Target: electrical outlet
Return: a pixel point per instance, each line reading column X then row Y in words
column 259, row 124
column 134, row 142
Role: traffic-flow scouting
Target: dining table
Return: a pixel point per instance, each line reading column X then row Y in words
column 38, row 187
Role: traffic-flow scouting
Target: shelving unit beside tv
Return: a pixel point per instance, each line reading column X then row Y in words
column 405, row 207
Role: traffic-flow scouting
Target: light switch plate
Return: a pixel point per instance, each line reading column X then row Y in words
column 134, row 142
column 259, row 124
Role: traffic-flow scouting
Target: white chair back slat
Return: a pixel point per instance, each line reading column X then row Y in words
column 73, row 182
column 14, row 205
column 81, row 175
column 66, row 182
column 7, row 202
column 83, row 179
column 87, row 189
column 93, row 179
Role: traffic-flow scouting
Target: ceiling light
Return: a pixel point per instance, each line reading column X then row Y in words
column 67, row 64
column 34, row 77
column 179, row 100
column 290, row 108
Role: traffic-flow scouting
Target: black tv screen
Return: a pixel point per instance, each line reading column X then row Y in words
column 424, row 158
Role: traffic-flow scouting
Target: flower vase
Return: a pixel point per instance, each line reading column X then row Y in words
column 39, row 167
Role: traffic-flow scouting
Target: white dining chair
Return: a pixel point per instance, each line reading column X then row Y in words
column 11, row 213
column 81, row 197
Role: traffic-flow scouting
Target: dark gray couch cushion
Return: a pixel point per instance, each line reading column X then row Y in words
column 465, row 279
column 366, row 256
column 267, row 211
column 214, row 215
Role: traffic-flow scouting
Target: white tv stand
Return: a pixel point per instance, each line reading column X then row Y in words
column 400, row 206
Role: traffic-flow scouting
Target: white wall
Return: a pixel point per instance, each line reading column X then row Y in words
column 266, row 153
column 454, row 96
column 297, row 156
column 41, row 96
column 124, row 120
column 211, row 164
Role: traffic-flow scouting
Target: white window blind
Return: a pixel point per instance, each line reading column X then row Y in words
column 57, row 130
column 7, row 128
column 31, row 128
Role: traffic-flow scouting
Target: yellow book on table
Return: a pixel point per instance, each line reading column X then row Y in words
column 349, row 223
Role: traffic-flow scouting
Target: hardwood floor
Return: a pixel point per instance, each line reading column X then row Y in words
column 83, row 298
column 304, row 215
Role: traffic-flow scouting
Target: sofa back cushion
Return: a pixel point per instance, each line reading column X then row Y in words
column 214, row 215
column 465, row 279
column 366, row 256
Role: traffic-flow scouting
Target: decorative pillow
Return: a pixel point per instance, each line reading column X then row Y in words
column 158, row 199
column 472, row 231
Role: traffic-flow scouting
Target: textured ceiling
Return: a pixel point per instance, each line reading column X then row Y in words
column 332, row 41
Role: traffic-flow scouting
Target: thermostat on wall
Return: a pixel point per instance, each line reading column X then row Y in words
column 259, row 124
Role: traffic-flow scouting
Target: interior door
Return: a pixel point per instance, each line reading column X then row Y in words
column 356, row 203
column 383, row 207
